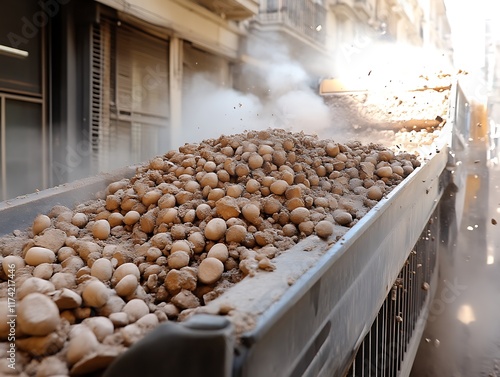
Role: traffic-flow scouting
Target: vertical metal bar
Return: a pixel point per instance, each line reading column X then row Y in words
column 384, row 341
column 176, row 75
column 2, row 147
column 48, row 106
column 387, row 339
column 404, row 332
column 369, row 365
column 44, row 113
column 377, row 345
column 414, row 271
column 397, row 325
column 363, row 358
column 391, row 344
column 409, row 327
column 404, row 313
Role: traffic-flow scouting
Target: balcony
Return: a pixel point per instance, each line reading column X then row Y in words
column 305, row 19
column 366, row 6
column 236, row 10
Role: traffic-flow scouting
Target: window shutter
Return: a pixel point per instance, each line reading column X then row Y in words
column 101, row 82
column 130, row 101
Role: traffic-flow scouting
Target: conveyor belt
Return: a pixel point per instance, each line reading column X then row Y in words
column 320, row 324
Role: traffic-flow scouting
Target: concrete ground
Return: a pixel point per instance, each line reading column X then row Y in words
column 462, row 336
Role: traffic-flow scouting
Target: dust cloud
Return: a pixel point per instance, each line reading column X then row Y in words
column 278, row 93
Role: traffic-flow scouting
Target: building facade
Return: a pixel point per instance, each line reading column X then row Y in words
column 89, row 86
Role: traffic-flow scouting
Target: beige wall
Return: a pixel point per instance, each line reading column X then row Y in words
column 187, row 21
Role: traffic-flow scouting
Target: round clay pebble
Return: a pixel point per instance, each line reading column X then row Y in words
column 40, row 223
column 151, row 197
column 219, row 251
column 178, row 259
column 115, row 219
column 255, row 161
column 234, row 191
column 64, row 253
column 210, row 179
column 102, row 269
column 385, row 155
column 149, row 320
column 119, row 319
column 203, row 210
column 124, row 270
column 95, row 294
column 131, row 217
column 127, row 285
column 374, row 193
column 156, row 163
column 79, row 220
column 12, row 263
column 324, row 229
column 63, row 280
column 210, row 270
column 342, row 217
column 81, row 345
column 153, row 254
column 236, row 233
column 332, row 149
column 279, row 187
column 198, row 241
column 135, row 309
column 100, row 326
column 398, row 170
column 101, row 229
column 44, row 271
column 216, row 194
column 37, row 315
column 180, row 245
column 252, row 186
column 299, row 215
column 38, row 255
column 307, row 227
column 384, row 172
column 215, row 229
column 289, row 230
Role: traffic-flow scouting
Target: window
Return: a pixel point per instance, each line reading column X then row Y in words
column 23, row 146
column 19, row 30
column 23, row 169
column 130, row 100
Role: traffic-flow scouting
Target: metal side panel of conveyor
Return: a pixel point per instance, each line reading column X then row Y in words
column 18, row 213
column 315, row 328
column 389, row 349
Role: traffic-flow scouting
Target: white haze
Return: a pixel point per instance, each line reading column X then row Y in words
column 290, row 101
column 210, row 110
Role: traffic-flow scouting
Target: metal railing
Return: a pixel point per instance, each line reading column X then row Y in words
column 306, row 18
column 385, row 349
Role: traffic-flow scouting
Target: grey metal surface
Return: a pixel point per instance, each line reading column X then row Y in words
column 390, row 347
column 201, row 346
column 20, row 212
column 316, row 326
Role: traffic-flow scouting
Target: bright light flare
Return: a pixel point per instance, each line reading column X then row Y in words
column 390, row 66
column 490, row 255
column 466, row 314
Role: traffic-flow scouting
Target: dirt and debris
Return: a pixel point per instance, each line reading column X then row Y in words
column 190, row 225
